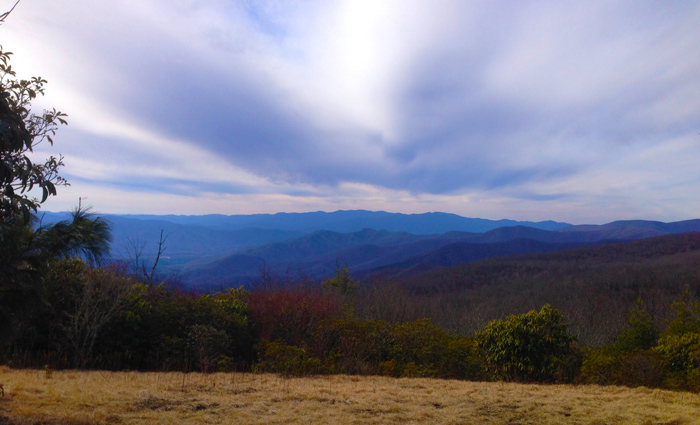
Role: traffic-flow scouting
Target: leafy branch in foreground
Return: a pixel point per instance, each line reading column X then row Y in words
column 20, row 132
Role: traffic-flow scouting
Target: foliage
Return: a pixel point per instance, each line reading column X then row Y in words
column 207, row 345
column 610, row 366
column 19, row 273
column 687, row 316
column 20, row 132
column 295, row 330
column 164, row 328
column 535, row 346
column 351, row 346
column 86, row 236
column 420, row 348
column 98, row 298
column 290, row 314
column 682, row 356
column 287, row 360
column 342, row 281
column 26, row 255
column 640, row 332
column 681, row 352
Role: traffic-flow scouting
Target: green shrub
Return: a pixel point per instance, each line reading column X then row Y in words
column 228, row 364
column 681, row 352
column 682, row 356
column 341, row 282
column 687, row 316
column 411, row 349
column 287, row 360
column 601, row 366
column 609, row 366
column 639, row 333
column 206, row 345
column 351, row 346
column 389, row 368
column 422, row 349
column 535, row 346
column 642, row 369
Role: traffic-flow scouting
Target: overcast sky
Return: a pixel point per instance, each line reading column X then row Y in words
column 585, row 112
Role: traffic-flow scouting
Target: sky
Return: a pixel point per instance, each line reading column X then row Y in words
column 584, row 112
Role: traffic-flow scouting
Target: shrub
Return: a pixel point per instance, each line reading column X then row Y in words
column 341, row 282
column 169, row 329
column 682, row 356
column 290, row 314
column 601, row 366
column 609, row 366
column 535, row 346
column 681, row 352
column 411, row 349
column 207, row 345
column 687, row 316
column 287, row 360
column 642, row 368
column 639, row 333
column 422, row 349
column 350, row 345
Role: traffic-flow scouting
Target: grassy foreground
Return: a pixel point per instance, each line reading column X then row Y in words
column 76, row 397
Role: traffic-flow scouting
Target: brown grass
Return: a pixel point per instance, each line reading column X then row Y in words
column 73, row 397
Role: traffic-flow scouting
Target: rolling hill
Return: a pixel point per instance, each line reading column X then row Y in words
column 394, row 254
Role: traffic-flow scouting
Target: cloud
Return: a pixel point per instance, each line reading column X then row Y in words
column 509, row 109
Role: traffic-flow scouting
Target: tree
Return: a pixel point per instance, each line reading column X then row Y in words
column 140, row 267
column 342, row 281
column 535, row 346
column 27, row 251
column 20, row 132
column 86, row 236
column 100, row 297
column 640, row 332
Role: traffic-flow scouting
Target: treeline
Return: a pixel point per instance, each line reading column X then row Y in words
column 102, row 318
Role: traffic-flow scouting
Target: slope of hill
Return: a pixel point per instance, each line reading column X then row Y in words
column 316, row 255
column 464, row 252
column 369, row 251
column 675, row 250
column 595, row 287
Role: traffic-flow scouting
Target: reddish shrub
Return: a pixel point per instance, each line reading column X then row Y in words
column 290, row 314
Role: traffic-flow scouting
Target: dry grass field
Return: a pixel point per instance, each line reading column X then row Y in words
column 75, row 397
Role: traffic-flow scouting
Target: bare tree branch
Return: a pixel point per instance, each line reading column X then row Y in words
column 161, row 250
column 6, row 14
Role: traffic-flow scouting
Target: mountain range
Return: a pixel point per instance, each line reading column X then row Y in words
column 212, row 251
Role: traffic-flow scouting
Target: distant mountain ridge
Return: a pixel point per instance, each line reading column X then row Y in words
column 217, row 250
column 651, row 228
column 351, row 221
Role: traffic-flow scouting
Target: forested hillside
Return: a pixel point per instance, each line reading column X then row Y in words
column 594, row 286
